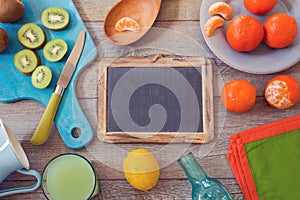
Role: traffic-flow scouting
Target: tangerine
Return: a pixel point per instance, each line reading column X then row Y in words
column 280, row 30
column 221, row 8
column 260, row 7
column 244, row 33
column 238, row 96
column 212, row 24
column 282, row 92
column 127, row 24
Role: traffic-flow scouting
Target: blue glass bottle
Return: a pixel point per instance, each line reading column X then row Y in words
column 203, row 187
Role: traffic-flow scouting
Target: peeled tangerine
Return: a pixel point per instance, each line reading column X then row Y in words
column 127, row 24
column 282, row 92
column 212, row 24
column 221, row 8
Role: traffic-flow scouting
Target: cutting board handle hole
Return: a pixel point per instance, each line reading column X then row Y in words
column 76, row 132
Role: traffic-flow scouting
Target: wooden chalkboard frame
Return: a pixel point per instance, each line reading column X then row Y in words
column 161, row 137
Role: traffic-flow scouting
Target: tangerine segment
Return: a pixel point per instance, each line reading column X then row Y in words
column 260, row 7
column 282, row 92
column 280, row 30
column 238, row 96
column 212, row 24
column 244, row 33
column 127, row 24
column 221, row 8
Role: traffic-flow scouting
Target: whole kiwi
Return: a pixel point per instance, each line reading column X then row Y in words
column 11, row 10
column 3, row 40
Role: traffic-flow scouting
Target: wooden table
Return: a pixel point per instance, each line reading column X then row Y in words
column 177, row 15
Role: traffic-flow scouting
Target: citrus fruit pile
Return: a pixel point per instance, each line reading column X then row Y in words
column 281, row 92
column 244, row 33
column 141, row 169
column 279, row 30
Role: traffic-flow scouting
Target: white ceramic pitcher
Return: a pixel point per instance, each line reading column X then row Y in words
column 13, row 158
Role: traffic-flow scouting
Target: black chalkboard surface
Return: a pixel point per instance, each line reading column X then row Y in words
column 169, row 100
column 151, row 93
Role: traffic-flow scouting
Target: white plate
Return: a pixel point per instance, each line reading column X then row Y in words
column 262, row 60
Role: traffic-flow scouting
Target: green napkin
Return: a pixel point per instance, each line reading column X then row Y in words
column 275, row 166
column 266, row 160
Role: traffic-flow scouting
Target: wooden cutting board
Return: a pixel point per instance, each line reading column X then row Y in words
column 155, row 99
column 15, row 86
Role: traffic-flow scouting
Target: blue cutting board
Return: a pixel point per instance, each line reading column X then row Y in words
column 15, row 86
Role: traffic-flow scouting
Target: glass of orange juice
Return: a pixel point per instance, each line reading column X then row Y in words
column 69, row 176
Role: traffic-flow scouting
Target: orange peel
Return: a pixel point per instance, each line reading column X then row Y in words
column 212, row 24
column 221, row 8
column 127, row 24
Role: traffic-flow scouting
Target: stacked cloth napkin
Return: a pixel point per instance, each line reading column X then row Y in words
column 266, row 160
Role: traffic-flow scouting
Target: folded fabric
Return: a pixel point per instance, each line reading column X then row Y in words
column 266, row 160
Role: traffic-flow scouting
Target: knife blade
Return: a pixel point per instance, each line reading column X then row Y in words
column 42, row 132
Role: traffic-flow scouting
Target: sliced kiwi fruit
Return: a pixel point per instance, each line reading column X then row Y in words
column 26, row 61
column 55, row 18
column 41, row 77
column 55, row 50
column 31, row 36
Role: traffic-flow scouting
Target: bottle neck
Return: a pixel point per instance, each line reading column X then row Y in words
column 192, row 168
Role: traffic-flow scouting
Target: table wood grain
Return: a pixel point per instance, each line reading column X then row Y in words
column 22, row 117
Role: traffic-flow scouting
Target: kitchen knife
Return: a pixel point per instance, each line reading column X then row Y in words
column 42, row 132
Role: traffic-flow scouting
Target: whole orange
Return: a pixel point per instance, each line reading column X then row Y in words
column 238, row 96
column 282, row 91
column 259, row 7
column 244, row 33
column 280, row 30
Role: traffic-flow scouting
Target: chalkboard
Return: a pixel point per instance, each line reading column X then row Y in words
column 162, row 101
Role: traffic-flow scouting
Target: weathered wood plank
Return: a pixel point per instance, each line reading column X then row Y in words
column 120, row 189
column 215, row 163
column 191, row 29
column 215, row 166
column 87, row 82
column 226, row 122
column 170, row 9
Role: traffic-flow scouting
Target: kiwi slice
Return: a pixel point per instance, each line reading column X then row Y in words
column 55, row 18
column 31, row 36
column 41, row 77
column 55, row 50
column 26, row 61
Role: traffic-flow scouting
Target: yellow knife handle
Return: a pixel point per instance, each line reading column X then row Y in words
column 42, row 132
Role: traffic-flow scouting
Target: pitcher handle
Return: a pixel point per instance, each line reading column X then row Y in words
column 24, row 189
